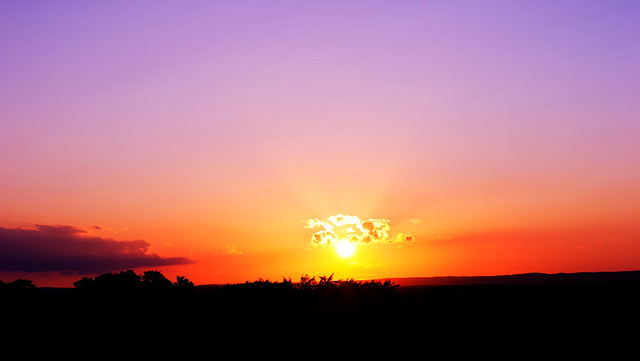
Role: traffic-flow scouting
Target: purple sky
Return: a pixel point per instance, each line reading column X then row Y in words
column 175, row 122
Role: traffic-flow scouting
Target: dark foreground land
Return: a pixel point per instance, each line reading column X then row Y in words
column 590, row 308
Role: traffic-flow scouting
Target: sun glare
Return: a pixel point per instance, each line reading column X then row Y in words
column 345, row 249
column 344, row 233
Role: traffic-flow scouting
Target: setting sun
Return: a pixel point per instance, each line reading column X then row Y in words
column 345, row 232
column 345, row 249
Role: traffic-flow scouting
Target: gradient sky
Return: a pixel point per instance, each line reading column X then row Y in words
column 502, row 135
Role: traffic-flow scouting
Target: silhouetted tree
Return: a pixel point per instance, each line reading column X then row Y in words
column 85, row 283
column 155, row 280
column 126, row 281
column 183, row 282
column 20, row 285
column 122, row 281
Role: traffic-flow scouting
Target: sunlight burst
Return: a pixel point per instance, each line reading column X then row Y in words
column 344, row 233
column 345, row 249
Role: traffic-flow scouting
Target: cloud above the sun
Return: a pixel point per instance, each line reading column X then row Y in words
column 71, row 250
column 342, row 227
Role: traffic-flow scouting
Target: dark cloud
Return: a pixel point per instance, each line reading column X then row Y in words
column 70, row 249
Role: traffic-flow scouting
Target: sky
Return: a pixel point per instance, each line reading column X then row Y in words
column 233, row 140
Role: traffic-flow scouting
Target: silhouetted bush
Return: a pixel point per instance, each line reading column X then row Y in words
column 155, row 281
column 326, row 283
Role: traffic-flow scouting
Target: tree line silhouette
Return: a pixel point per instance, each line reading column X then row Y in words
column 310, row 304
column 139, row 298
column 130, row 281
column 152, row 280
column 20, row 285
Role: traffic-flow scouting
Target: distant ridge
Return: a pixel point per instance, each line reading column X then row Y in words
column 523, row 278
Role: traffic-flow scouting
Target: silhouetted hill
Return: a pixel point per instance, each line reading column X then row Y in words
column 522, row 279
